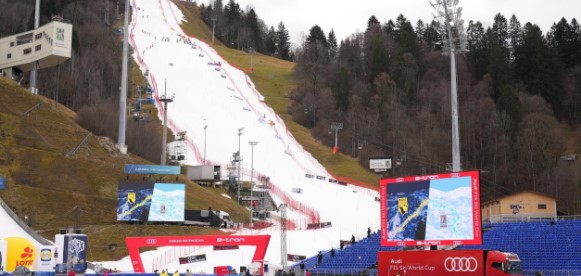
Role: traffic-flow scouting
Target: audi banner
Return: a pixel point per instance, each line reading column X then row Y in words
column 431, row 262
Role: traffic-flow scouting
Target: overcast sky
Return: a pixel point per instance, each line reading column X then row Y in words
column 347, row 17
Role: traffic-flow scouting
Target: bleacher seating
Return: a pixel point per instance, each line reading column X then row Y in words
column 542, row 246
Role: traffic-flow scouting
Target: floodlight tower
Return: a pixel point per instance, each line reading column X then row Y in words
column 449, row 15
column 33, row 88
column 205, row 127
column 283, row 251
column 252, row 144
column 123, row 93
column 238, row 159
column 165, row 100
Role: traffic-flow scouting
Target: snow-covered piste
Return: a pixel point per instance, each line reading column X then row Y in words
column 208, row 91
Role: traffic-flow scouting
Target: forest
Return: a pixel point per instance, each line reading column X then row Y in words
column 519, row 89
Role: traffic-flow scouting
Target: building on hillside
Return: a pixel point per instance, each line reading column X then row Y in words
column 46, row 46
column 522, row 206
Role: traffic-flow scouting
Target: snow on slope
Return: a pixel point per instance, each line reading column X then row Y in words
column 209, row 91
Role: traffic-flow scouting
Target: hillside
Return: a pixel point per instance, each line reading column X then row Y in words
column 46, row 181
column 275, row 80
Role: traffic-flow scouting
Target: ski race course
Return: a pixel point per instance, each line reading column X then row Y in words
column 207, row 90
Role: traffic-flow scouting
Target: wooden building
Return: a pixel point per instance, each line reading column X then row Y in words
column 522, row 206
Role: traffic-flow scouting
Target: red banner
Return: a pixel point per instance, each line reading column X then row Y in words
column 134, row 243
column 431, row 262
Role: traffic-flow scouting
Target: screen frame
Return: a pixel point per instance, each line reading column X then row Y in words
column 476, row 212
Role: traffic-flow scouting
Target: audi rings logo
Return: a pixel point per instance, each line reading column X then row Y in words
column 151, row 241
column 460, row 264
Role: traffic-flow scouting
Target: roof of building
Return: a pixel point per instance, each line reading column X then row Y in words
column 521, row 192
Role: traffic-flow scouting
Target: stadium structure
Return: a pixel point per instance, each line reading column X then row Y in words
column 46, row 46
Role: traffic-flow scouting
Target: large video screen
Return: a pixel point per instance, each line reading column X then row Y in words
column 439, row 209
column 149, row 201
column 168, row 202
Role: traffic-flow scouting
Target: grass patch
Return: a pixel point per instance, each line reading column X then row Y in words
column 50, row 186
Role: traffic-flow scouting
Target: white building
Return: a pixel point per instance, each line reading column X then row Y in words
column 44, row 47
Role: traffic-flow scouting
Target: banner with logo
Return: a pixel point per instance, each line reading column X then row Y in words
column 20, row 252
column 193, row 259
column 433, row 262
column 151, row 169
column 45, row 258
column 134, row 243
column 295, row 258
column 3, row 254
column 73, row 244
column 225, row 247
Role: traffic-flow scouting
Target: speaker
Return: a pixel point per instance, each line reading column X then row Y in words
column 62, row 231
column 78, row 231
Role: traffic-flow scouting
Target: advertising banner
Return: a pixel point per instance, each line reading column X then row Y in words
column 380, row 164
column 225, row 247
column 193, row 259
column 441, row 262
column 151, row 169
column 134, row 243
column 221, row 270
column 20, row 252
column 295, row 258
column 76, row 246
column 45, row 258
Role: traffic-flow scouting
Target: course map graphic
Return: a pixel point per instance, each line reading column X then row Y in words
column 407, row 205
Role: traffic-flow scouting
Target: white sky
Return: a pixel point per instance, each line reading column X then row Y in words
column 347, row 17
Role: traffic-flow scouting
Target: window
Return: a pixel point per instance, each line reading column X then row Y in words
column 37, row 48
column 8, row 56
column 27, row 51
column 12, row 44
column 38, row 36
column 542, row 206
column 498, row 265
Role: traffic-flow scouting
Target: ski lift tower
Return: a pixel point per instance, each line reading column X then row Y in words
column 449, row 15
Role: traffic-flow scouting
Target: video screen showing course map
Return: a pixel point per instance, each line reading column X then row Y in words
column 148, row 201
column 168, row 202
column 133, row 200
column 442, row 209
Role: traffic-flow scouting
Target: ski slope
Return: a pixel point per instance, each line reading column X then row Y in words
column 207, row 90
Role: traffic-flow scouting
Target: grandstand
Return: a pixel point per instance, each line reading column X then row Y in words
column 553, row 247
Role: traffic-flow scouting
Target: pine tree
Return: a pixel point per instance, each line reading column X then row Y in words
column 316, row 35
column 514, row 36
column 282, row 42
column 270, row 41
column 332, row 44
column 540, row 68
column 256, row 34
